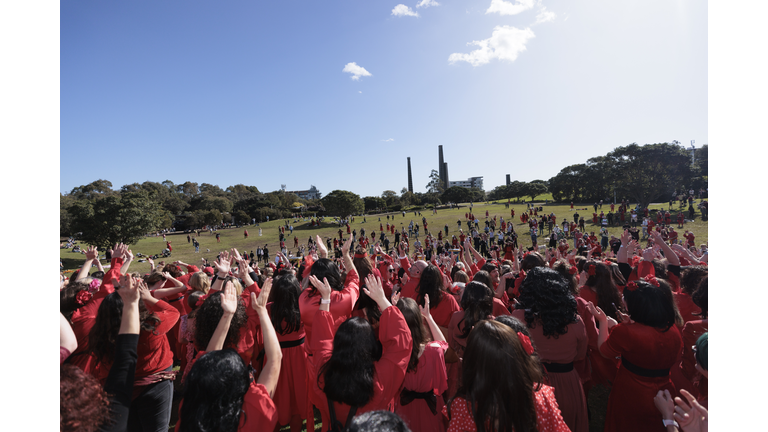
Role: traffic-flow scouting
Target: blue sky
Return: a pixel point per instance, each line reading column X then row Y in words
column 338, row 94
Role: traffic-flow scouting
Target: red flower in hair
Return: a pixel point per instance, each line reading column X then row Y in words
column 608, row 263
column 651, row 280
column 94, row 285
column 591, row 270
column 83, row 297
column 573, row 270
column 201, row 300
column 526, row 341
column 631, row 286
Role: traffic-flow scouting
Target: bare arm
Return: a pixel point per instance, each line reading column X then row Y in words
column 127, row 259
column 90, row 254
column 67, row 338
column 165, row 292
column 229, row 306
column 349, row 265
column 274, row 355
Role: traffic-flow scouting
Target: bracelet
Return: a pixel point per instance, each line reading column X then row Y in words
column 324, row 301
column 670, row 422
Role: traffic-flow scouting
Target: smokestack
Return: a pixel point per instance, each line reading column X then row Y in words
column 508, row 180
column 445, row 172
column 410, row 177
column 440, row 163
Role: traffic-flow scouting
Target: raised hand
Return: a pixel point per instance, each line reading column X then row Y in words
column 347, row 244
column 91, row 253
column 425, row 309
column 229, row 299
column 665, row 404
column 322, row 250
column 693, row 417
column 259, row 304
column 649, row 254
column 324, row 288
column 129, row 288
column 625, row 237
column 144, row 290
column 128, row 255
column 375, row 291
column 119, row 251
column 395, row 297
column 597, row 312
column 222, row 265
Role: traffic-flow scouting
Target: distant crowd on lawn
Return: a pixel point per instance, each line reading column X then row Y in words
column 411, row 328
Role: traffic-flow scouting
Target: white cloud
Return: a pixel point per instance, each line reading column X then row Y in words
column 389, row 140
column 360, row 91
column 427, row 3
column 510, row 8
column 544, row 16
column 355, row 70
column 504, row 44
column 403, row 10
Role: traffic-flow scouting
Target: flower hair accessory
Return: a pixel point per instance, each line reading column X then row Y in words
column 94, row 285
column 573, row 270
column 83, row 297
column 591, row 270
column 631, row 286
column 201, row 300
column 651, row 280
column 526, row 342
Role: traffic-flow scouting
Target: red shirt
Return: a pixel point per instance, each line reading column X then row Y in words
column 389, row 372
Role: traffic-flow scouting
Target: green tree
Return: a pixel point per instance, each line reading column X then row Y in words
column 435, row 185
column 457, row 194
column 374, row 203
column 342, row 203
column 124, row 217
column 650, row 172
column 390, row 197
column 534, row 188
column 242, row 217
column 97, row 189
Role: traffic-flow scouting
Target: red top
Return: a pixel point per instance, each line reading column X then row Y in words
column 443, row 312
column 84, row 318
column 342, row 303
column 395, row 338
column 154, row 352
column 687, row 307
column 548, row 416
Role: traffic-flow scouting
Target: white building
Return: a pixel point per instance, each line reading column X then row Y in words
column 468, row 183
column 311, row 194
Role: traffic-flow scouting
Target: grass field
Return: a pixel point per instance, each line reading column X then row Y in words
column 233, row 237
column 209, row 248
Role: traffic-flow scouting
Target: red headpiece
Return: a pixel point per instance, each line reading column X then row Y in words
column 526, row 341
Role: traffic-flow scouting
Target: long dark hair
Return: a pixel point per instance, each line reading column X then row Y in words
column 68, row 298
column 209, row 314
column 431, row 283
column 285, row 304
column 477, row 303
column 498, row 380
column 547, row 300
column 419, row 332
column 324, row 268
column 603, row 285
column 700, row 297
column 348, row 374
column 652, row 305
column 564, row 269
column 103, row 335
column 215, row 388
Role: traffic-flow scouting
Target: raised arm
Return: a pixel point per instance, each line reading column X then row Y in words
column 322, row 251
column 347, row 259
column 91, row 254
column 178, row 287
column 222, row 266
column 669, row 254
column 274, row 355
column 437, row 334
column 127, row 263
column 229, row 307
column 605, row 323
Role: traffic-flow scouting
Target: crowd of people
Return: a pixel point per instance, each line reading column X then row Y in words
column 472, row 333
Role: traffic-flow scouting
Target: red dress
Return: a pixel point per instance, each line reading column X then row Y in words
column 685, row 375
column 630, row 405
column 443, row 312
column 566, row 348
column 548, row 416
column 395, row 338
column 603, row 369
column 687, row 307
column 430, row 376
column 291, row 392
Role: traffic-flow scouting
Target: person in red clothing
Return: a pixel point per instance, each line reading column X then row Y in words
column 648, row 342
column 220, row 392
column 245, row 233
column 168, row 245
column 690, row 237
column 153, row 388
column 550, row 311
column 347, row 381
column 502, row 384
column 680, row 220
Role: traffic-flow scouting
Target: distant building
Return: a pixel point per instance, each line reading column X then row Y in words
column 311, row 194
column 468, row 183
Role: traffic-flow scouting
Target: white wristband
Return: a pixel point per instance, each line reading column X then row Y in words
column 325, row 301
column 670, row 422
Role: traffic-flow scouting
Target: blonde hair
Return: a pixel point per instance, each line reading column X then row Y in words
column 200, row 282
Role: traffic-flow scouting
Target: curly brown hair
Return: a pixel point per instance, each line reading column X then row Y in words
column 209, row 314
column 84, row 405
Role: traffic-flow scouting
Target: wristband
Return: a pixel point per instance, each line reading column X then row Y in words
column 670, row 422
column 325, row 301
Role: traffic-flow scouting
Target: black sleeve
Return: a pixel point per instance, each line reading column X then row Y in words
column 625, row 270
column 119, row 383
column 254, row 277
